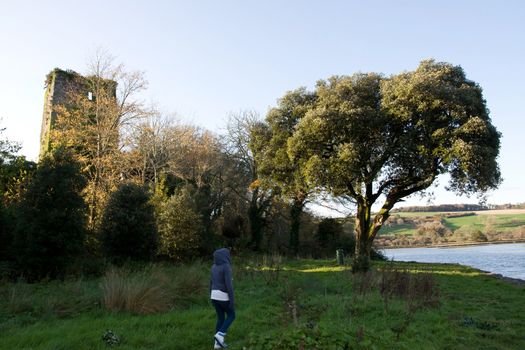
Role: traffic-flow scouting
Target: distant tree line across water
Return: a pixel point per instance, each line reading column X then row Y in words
column 458, row 207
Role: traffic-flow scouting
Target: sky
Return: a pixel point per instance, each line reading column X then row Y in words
column 207, row 59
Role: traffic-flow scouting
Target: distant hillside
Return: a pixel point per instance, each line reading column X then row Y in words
column 458, row 207
column 409, row 229
column 443, row 208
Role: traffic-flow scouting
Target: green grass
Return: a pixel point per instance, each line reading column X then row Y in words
column 399, row 229
column 481, row 222
column 475, row 312
column 484, row 223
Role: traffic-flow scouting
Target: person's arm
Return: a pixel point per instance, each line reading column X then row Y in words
column 228, row 280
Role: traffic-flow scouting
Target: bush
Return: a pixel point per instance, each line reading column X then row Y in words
column 51, row 217
column 180, row 227
column 478, row 236
column 128, row 229
column 432, row 229
column 328, row 231
column 331, row 236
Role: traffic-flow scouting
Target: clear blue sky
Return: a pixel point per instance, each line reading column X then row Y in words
column 204, row 59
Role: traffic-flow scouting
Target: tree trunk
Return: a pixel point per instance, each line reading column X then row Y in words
column 256, row 222
column 256, row 226
column 93, row 201
column 295, row 216
column 363, row 245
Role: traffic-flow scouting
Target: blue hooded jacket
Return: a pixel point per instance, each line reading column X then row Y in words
column 221, row 273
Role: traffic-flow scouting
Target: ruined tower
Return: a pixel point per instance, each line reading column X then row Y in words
column 62, row 88
column 58, row 85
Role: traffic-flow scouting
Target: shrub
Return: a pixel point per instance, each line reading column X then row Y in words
column 180, row 227
column 434, row 228
column 478, row 236
column 331, row 236
column 128, row 229
column 469, row 233
column 51, row 217
column 328, row 231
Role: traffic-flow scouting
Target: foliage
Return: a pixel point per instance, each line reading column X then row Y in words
column 15, row 170
column 128, row 229
column 329, row 230
column 14, row 179
column 152, row 145
column 8, row 149
column 276, row 168
column 110, row 338
column 478, row 236
column 180, row 227
column 50, row 218
column 93, row 127
column 368, row 136
column 198, row 162
column 434, row 230
column 240, row 152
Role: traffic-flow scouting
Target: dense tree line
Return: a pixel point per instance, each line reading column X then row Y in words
column 136, row 184
column 444, row 207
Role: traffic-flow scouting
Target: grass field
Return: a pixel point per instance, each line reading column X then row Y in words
column 299, row 304
column 485, row 221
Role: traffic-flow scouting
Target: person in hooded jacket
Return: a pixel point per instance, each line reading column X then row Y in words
column 222, row 298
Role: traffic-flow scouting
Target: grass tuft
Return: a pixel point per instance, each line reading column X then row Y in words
column 142, row 293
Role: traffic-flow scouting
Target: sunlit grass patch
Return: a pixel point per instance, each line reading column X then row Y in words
column 326, row 269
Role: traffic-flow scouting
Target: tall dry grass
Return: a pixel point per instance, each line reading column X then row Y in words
column 142, row 293
column 190, row 284
column 153, row 289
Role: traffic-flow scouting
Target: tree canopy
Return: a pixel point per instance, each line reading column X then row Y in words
column 370, row 136
column 276, row 168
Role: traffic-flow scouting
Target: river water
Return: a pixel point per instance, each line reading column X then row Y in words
column 505, row 259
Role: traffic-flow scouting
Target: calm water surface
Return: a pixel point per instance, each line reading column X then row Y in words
column 505, row 259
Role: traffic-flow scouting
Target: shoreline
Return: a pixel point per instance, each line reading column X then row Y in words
column 516, row 281
column 452, row 245
column 512, row 280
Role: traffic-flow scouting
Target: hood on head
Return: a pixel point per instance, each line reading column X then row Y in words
column 221, row 256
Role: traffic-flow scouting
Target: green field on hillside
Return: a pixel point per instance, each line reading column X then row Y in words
column 299, row 304
column 485, row 223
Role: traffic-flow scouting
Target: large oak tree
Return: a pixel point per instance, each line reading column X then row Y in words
column 373, row 138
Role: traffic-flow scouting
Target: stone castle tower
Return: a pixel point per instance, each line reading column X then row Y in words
column 60, row 85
